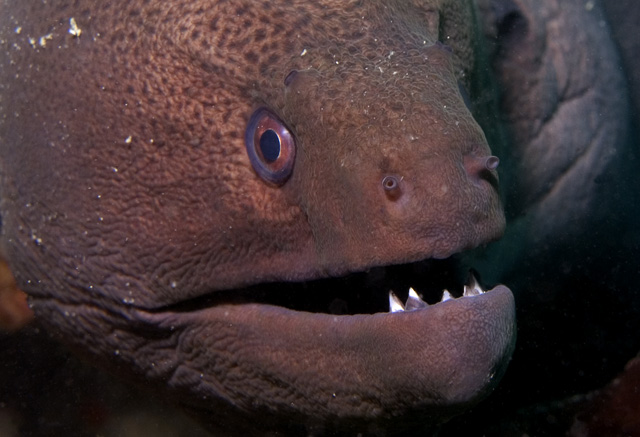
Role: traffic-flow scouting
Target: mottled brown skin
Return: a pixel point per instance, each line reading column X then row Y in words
column 126, row 189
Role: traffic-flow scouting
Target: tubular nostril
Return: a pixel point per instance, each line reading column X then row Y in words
column 491, row 163
column 391, row 187
column 481, row 168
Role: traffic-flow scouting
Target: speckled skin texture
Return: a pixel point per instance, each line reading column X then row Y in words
column 126, row 189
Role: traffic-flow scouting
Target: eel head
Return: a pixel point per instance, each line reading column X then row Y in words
column 217, row 199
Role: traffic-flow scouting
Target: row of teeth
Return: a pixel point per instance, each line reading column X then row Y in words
column 415, row 302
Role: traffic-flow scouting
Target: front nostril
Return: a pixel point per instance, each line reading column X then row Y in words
column 491, row 163
column 481, row 168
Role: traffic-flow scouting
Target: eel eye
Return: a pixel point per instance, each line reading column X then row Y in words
column 270, row 146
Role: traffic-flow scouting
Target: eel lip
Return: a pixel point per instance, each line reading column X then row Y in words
column 436, row 359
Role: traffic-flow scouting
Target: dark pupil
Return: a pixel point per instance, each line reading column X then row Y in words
column 270, row 145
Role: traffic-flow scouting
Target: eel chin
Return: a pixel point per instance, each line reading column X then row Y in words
column 410, row 362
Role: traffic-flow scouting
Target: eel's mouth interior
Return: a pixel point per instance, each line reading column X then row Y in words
column 366, row 292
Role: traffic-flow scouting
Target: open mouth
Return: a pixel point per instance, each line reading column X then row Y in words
column 377, row 290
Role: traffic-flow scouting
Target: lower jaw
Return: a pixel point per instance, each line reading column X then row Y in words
column 356, row 366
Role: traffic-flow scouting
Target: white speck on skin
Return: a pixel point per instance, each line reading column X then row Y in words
column 73, row 28
column 304, row 52
column 18, row 30
column 37, row 240
column 43, row 39
column 128, row 140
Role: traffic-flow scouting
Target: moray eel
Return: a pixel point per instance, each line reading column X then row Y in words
column 179, row 178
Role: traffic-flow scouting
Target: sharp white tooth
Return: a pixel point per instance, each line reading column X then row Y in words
column 395, row 304
column 472, row 288
column 446, row 296
column 469, row 291
column 414, row 302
